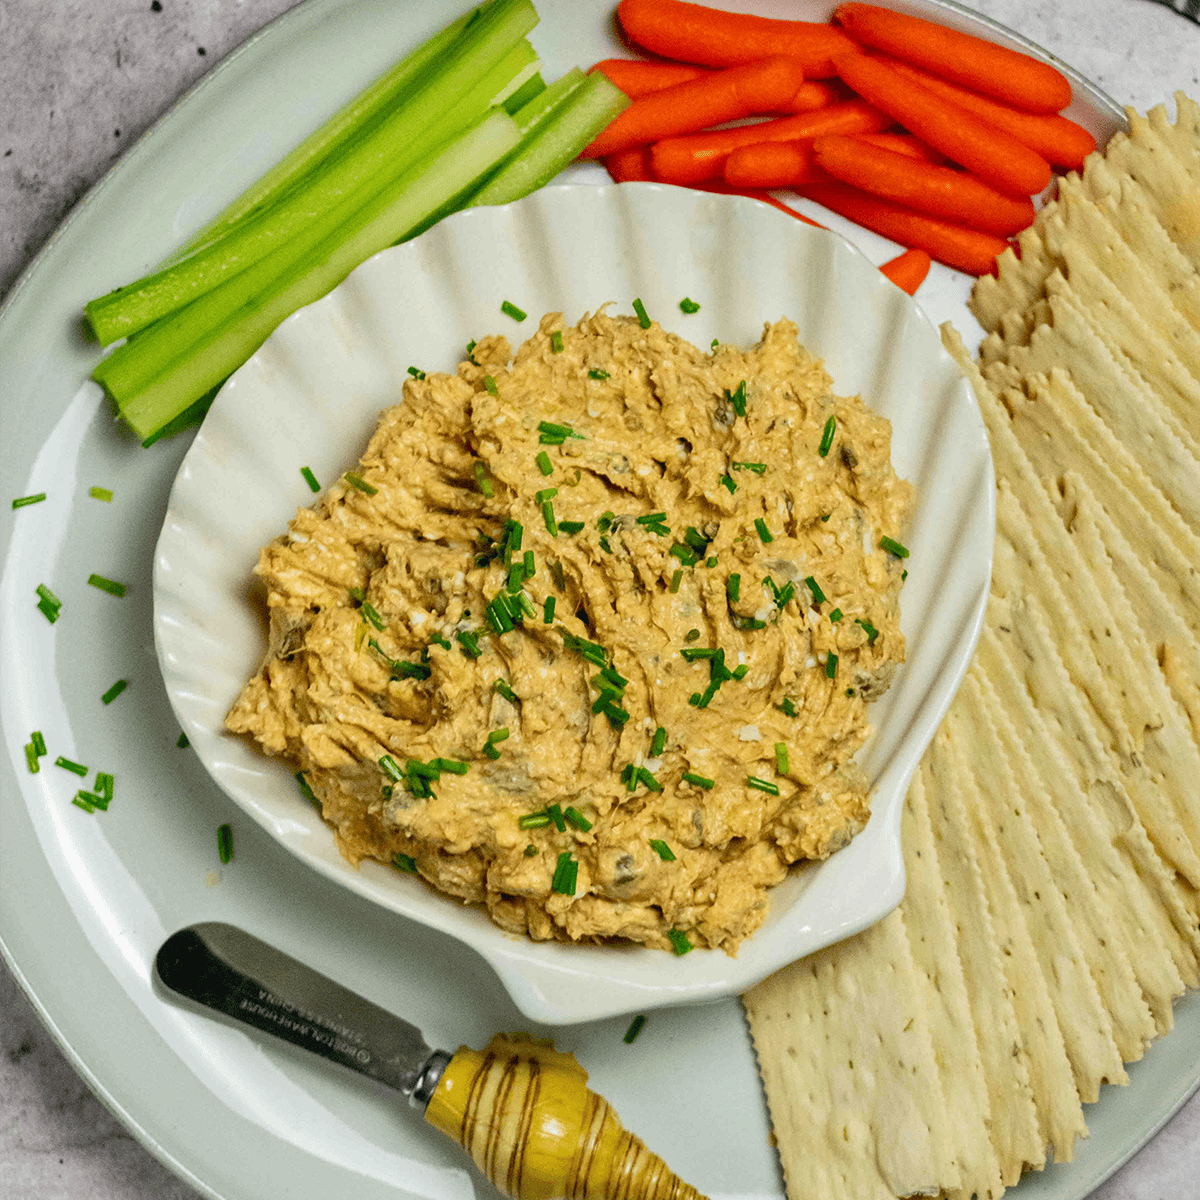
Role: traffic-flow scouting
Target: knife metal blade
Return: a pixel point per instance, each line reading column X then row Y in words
column 232, row 972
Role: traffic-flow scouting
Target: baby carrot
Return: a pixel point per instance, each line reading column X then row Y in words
column 924, row 187
column 629, row 166
column 636, row 77
column 966, row 249
column 771, row 165
column 903, row 143
column 995, row 156
column 908, row 270
column 700, row 156
column 728, row 95
column 1059, row 140
column 693, row 33
column 817, row 93
column 1016, row 78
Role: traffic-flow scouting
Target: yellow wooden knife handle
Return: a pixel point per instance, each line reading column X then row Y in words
column 524, row 1113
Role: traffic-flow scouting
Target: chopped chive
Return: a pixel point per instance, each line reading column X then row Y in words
column 714, row 344
column 25, row 501
column 439, row 640
column 114, row 691
column 576, row 819
column 416, row 372
column 489, row 384
column 498, row 617
column 726, row 481
column 827, row 436
column 617, row 716
column 67, row 765
column 647, row 780
column 357, row 481
column 740, row 672
column 662, row 850
column 182, row 741
column 565, row 875
column 104, row 784
column 31, row 758
column 903, row 576
column 737, row 398
column 306, row 789
column 826, row 516
column 747, row 622
column 680, row 942
column 391, row 767
column 595, row 373
column 813, row 586
column 224, row 842
column 893, row 547
column 498, row 735
column 614, row 677
column 46, row 594
column 695, row 653
column 309, row 478
column 836, row 615
column 38, row 742
column 691, row 635
column 688, row 305
column 468, row 641
column 676, row 576
column 405, row 863
column 483, row 482
column 105, row 494
column 571, row 527
column 685, row 554
column 733, row 586
column 471, row 349
column 48, row 610
column 527, row 564
column 659, row 742
column 509, row 309
column 559, row 432
column 757, row 467
column 111, row 586
column 640, row 309
column 505, row 690
column 831, row 662
column 490, row 750
column 870, row 630
column 556, row 815
column 455, row 766
column 556, row 342
column 781, row 758
column 546, row 494
column 788, row 708
column 535, row 820
column 764, row 533
column 531, row 851
column 762, row 785
column 635, row 1027
column 711, row 561
column 357, row 594
column 372, row 614
column 548, row 611
column 83, row 800
column 544, row 463
column 652, row 518
column 548, row 518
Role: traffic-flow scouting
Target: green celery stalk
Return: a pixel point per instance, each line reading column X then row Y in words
column 554, row 140
column 526, row 92
column 536, row 107
column 364, row 109
column 187, row 368
column 486, row 57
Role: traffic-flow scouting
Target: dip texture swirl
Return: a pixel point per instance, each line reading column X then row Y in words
column 588, row 634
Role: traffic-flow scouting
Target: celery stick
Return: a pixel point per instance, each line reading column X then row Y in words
column 536, row 107
column 365, row 108
column 554, row 140
column 188, row 369
column 489, row 52
column 526, row 92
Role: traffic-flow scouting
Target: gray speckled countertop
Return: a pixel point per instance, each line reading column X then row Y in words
column 81, row 80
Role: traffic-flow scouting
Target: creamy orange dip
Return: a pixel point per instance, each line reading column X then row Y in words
column 588, row 634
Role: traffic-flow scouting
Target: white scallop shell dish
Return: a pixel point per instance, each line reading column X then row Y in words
column 311, row 397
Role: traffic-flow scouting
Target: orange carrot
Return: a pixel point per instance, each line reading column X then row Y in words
column 995, row 156
column 1016, row 78
column 702, row 155
column 908, row 270
column 709, row 37
column 727, row 95
column 771, row 165
column 903, row 143
column 1059, row 140
column 966, row 249
column 924, row 187
column 637, row 77
column 629, row 166
column 818, row 93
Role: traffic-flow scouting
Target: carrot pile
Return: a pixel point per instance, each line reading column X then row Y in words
column 924, row 134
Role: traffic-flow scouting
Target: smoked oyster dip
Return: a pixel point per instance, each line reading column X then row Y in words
column 589, row 633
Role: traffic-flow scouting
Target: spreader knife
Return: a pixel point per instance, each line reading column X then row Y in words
column 520, row 1108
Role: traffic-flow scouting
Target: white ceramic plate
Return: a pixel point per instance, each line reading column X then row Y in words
column 84, row 901
column 312, row 395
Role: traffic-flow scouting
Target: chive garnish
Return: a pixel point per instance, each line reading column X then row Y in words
column 893, row 547
column 489, row 384
column 659, row 742
column 814, row 587
column 105, row 494
column 647, row 780
column 357, row 481
column 471, row 349
column 306, row 790
column 548, row 517
column 556, row 342
column 454, row 765
column 31, row 758
column 757, row 467
column 733, row 586
column 694, row 653
column 544, row 463
column 490, row 750
column 870, row 630
column 688, row 305
column 831, row 662
column 224, row 842
column 781, row 758
column 182, row 741
column 67, row 765
column 595, row 373
column 309, row 478
column 405, row 863
column 556, row 815
column 114, row 691
column 505, row 690
column 762, row 785
column 680, row 942
column 372, row 614
column 836, row 615
column 764, row 533
column 635, row 1027
column 38, row 742
column 483, row 482
column 737, row 398
column 535, row 820
column 691, row 635
column 788, row 708
column 827, row 436
column 468, row 641
column 740, row 672
column 565, row 874
column 416, row 372
column 685, row 554
column 711, row 561
column 25, row 501
column 903, row 576
column 548, row 611
column 391, row 767
column 531, row 851
column 509, row 309
column 676, row 576
column 576, row 819
column 111, row 586
column 46, row 594
column 662, row 850
column 726, row 481
column 48, row 610
column 84, row 800
column 643, row 318
column 546, row 494
column 498, row 735
column 571, row 527
column 527, row 564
